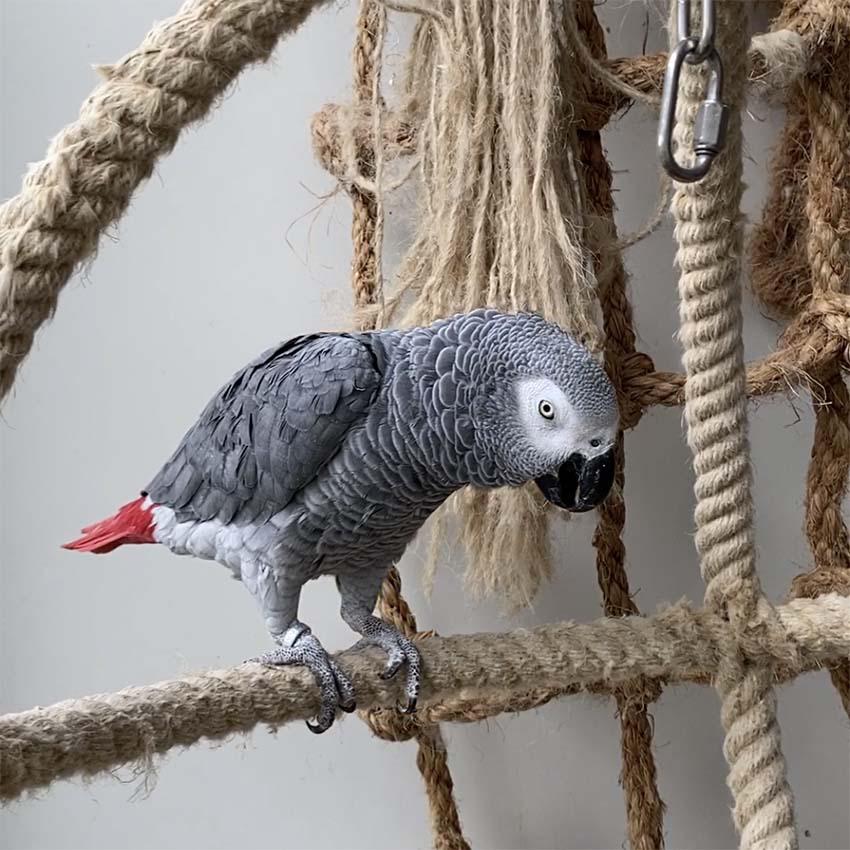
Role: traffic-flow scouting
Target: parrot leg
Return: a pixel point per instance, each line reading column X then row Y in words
column 358, row 601
column 297, row 645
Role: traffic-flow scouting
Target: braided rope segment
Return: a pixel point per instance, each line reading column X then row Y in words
column 466, row 678
column 708, row 232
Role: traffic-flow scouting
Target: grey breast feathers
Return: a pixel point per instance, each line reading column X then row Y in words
column 271, row 429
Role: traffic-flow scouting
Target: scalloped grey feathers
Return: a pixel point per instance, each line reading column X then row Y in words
column 351, row 440
column 270, row 430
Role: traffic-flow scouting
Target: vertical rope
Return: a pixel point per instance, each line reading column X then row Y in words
column 826, row 487
column 644, row 807
column 809, row 185
column 431, row 755
column 827, row 213
column 367, row 284
column 826, row 484
column 371, row 23
column 708, row 231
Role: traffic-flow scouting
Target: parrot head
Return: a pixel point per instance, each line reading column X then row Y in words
column 549, row 413
column 574, row 446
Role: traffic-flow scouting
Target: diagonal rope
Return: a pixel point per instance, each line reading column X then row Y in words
column 93, row 167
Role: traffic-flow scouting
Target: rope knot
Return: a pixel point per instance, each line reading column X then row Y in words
column 634, row 366
column 389, row 725
column 820, row 581
column 832, row 311
column 637, row 694
column 343, row 141
column 765, row 628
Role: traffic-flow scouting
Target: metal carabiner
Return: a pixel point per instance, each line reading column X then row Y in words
column 706, row 38
column 711, row 118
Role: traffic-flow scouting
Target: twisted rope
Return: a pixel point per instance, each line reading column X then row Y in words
column 825, row 96
column 95, row 164
column 709, row 246
column 367, row 286
column 801, row 264
column 466, row 678
column 366, row 248
column 644, row 807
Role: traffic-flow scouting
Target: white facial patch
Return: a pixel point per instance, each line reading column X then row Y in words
column 548, row 419
column 552, row 425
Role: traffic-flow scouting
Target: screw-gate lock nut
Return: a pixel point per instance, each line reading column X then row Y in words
column 710, row 127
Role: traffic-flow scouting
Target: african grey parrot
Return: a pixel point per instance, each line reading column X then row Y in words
column 326, row 454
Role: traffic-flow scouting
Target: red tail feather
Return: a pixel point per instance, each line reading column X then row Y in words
column 132, row 523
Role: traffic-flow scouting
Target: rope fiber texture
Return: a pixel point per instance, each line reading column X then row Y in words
column 821, row 104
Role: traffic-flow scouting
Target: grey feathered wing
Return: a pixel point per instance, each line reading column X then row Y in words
column 271, row 429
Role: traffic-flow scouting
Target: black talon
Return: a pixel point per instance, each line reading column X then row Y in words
column 348, row 707
column 409, row 707
column 316, row 728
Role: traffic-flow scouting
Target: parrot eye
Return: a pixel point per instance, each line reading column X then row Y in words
column 546, row 409
column 596, row 442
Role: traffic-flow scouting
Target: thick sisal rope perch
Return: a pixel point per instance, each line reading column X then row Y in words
column 99, row 733
column 95, row 164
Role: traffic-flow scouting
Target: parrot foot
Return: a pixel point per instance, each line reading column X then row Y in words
column 400, row 650
column 299, row 646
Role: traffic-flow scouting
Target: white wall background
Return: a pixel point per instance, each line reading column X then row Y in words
column 196, row 280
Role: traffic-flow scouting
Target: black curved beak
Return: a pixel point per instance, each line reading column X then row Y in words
column 581, row 483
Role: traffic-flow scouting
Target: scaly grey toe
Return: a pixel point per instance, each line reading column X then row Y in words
column 334, row 685
column 400, row 650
